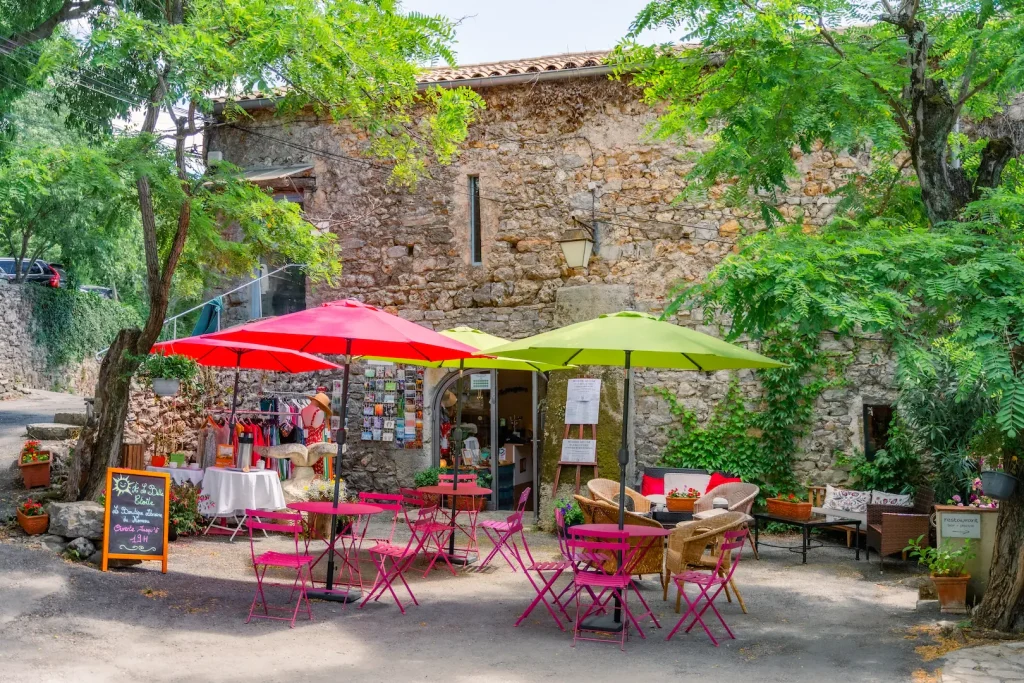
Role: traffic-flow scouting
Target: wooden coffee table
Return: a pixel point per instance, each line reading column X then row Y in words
column 806, row 526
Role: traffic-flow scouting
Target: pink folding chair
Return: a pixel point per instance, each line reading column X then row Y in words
column 500, row 533
column 400, row 557
column 610, row 578
column 287, row 522
column 716, row 579
column 469, row 527
column 553, row 569
column 412, row 498
column 450, row 479
column 392, row 503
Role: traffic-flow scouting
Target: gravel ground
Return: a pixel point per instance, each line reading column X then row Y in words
column 64, row 621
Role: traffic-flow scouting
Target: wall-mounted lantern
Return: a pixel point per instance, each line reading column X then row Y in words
column 578, row 245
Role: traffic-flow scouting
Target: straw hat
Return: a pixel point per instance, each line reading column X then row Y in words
column 324, row 401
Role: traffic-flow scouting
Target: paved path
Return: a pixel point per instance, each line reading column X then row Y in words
column 985, row 664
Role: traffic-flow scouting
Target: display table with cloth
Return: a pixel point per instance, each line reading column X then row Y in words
column 229, row 493
column 472, row 492
column 347, row 543
column 179, row 475
column 642, row 539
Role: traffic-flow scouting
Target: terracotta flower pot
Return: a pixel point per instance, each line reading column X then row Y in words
column 680, row 504
column 789, row 509
column 34, row 525
column 952, row 591
column 35, row 473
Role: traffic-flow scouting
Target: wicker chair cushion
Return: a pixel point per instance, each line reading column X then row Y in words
column 846, row 500
column 901, row 500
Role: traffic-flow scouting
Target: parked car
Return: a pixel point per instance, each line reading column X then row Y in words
column 105, row 292
column 40, row 272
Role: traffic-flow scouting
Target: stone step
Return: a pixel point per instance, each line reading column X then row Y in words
column 73, row 418
column 52, row 431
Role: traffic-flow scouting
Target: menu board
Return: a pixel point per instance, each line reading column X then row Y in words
column 579, row 451
column 136, row 516
column 583, row 401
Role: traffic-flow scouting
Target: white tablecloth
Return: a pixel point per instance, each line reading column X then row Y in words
column 230, row 492
column 179, row 474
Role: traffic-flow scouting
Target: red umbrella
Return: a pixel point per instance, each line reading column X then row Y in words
column 348, row 328
column 220, row 353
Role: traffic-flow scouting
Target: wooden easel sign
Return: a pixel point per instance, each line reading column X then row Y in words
column 136, row 516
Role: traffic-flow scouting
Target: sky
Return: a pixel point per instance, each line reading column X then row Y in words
column 493, row 30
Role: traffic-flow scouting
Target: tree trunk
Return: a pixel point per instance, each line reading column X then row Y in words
column 1002, row 608
column 99, row 445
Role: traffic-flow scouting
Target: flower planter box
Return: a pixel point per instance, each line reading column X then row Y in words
column 35, row 473
column 680, row 504
column 34, row 525
column 952, row 591
column 998, row 485
column 789, row 510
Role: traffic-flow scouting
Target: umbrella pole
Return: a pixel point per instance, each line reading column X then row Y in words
column 234, row 394
column 623, row 461
column 342, row 433
column 456, row 455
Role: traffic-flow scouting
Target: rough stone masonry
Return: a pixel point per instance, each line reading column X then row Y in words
column 546, row 152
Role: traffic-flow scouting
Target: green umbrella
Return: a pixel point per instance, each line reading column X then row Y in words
column 484, row 342
column 629, row 339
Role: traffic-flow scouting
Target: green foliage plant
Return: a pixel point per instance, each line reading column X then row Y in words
column 894, row 469
column 184, row 509
column 427, row 477
column 571, row 512
column 159, row 366
column 946, row 560
column 71, row 325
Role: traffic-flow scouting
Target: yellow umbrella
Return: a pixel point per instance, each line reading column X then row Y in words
column 481, row 341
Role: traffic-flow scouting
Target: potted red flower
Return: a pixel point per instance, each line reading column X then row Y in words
column 35, row 465
column 681, row 501
column 33, row 518
column 790, row 506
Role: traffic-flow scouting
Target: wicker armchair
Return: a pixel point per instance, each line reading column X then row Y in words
column 600, row 512
column 691, row 545
column 607, row 491
column 740, row 496
column 891, row 528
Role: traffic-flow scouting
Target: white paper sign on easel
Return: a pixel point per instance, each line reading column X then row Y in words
column 579, row 451
column 583, row 401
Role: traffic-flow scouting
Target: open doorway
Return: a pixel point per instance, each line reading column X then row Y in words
column 498, row 419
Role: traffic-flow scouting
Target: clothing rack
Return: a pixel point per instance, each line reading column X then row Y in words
column 248, row 412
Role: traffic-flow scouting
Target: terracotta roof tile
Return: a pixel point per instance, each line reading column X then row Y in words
column 562, row 62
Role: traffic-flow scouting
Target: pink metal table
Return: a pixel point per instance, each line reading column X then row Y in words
column 651, row 537
column 471, row 491
column 350, row 539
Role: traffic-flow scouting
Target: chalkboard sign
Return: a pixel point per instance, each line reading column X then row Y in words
column 136, row 516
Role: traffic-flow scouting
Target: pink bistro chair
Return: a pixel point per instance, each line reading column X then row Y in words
column 501, row 533
column 412, row 498
column 463, row 479
column 400, row 557
column 554, row 568
column 285, row 522
column 716, row 580
column 609, row 578
column 392, row 503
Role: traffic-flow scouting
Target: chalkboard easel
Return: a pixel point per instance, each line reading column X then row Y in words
column 578, row 465
column 136, row 516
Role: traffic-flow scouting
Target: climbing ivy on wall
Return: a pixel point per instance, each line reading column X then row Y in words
column 758, row 444
column 71, row 325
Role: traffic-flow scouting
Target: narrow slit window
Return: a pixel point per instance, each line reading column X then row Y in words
column 475, row 231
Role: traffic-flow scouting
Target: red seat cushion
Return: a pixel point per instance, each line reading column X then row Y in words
column 718, row 478
column 652, row 486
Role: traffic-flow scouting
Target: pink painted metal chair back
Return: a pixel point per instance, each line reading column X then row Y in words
column 393, row 503
column 412, row 498
column 603, row 577
column 731, row 549
column 283, row 522
column 450, row 479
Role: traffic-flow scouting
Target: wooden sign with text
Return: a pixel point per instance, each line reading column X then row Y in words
column 136, row 516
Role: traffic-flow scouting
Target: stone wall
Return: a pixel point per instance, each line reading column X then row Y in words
column 22, row 361
column 545, row 153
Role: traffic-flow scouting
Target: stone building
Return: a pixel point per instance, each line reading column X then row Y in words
column 477, row 242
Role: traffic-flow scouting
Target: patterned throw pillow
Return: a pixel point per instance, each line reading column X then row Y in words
column 845, row 499
column 897, row 499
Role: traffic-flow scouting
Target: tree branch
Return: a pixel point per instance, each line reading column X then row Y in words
column 69, row 11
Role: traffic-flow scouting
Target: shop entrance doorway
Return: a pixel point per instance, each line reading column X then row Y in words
column 501, row 423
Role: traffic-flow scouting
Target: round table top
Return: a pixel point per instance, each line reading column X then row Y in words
column 326, row 507
column 463, row 490
column 634, row 530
